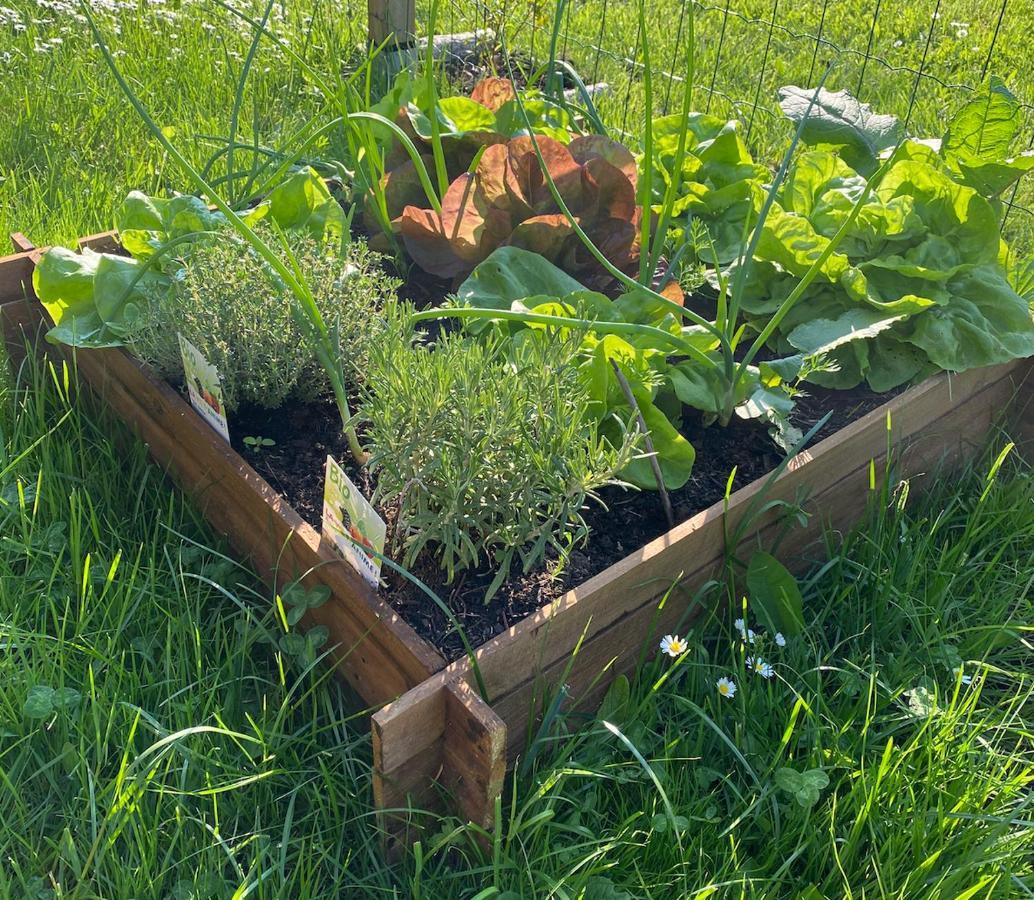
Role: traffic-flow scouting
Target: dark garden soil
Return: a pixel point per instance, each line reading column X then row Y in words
column 305, row 435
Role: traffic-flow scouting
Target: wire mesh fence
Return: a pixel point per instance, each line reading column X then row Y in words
column 918, row 60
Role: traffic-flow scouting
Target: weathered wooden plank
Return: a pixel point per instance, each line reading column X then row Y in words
column 474, row 762
column 463, row 768
column 21, row 322
column 16, row 277
column 392, row 19
column 21, row 243
column 103, row 242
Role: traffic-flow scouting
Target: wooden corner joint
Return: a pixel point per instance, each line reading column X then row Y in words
column 474, row 754
column 21, row 243
column 440, row 743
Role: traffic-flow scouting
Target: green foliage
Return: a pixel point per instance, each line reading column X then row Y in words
column 630, row 335
column 914, row 286
column 714, row 182
column 979, row 145
column 805, row 787
column 98, row 300
column 838, row 121
column 775, row 594
column 484, row 449
column 229, row 304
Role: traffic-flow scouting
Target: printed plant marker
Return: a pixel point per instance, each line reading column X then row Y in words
column 352, row 523
column 204, row 387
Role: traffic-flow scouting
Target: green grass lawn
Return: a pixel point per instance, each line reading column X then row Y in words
column 155, row 743
column 70, row 146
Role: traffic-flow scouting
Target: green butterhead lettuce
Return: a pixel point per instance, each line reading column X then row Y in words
column 915, row 286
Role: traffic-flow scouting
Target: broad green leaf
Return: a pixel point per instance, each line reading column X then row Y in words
column 837, row 119
column 949, row 210
column 696, row 386
column 675, row 454
column 510, row 274
column 316, row 596
column 120, row 293
column 599, row 887
column 63, row 282
column 991, row 177
column 985, row 323
column 293, row 644
column 615, row 701
column 317, row 636
column 792, row 242
column 822, row 335
column 891, row 362
column 66, row 697
column 805, row 787
column 986, row 125
column 303, row 201
column 456, row 115
column 39, row 702
column 145, row 223
column 775, row 594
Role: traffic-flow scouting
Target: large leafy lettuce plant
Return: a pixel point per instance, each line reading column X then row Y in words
column 507, row 200
column 916, row 284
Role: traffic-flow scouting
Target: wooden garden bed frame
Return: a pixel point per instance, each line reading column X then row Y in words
column 435, row 739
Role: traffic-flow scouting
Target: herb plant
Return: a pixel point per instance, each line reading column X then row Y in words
column 484, row 449
column 230, row 305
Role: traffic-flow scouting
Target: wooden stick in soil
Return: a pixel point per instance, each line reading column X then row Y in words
column 654, row 464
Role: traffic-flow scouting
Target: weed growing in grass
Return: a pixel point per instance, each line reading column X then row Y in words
column 235, row 310
column 485, row 449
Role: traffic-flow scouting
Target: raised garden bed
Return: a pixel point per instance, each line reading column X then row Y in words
column 436, row 732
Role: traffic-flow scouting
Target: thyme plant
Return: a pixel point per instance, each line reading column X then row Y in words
column 235, row 309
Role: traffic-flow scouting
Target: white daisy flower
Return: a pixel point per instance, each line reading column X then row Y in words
column 726, row 687
column 779, row 639
column 746, row 633
column 763, row 668
column 673, row 645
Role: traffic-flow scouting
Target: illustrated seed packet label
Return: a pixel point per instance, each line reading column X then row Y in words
column 352, row 523
column 204, row 387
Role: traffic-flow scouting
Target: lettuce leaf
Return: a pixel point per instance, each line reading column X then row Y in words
column 95, row 299
column 915, row 286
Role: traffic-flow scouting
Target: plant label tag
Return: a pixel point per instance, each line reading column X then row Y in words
column 204, row 387
column 352, row 523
